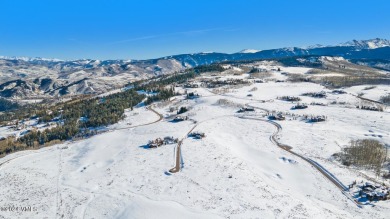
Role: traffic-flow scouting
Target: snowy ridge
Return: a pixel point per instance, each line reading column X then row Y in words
column 29, row 59
column 367, row 44
column 249, row 51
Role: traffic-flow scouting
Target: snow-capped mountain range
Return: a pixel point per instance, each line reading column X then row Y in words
column 23, row 76
column 367, row 44
column 358, row 44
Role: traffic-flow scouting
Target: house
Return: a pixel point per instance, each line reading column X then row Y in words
column 191, row 85
column 197, row 135
column 317, row 119
column 155, row 143
column 259, row 81
column 246, row 109
column 289, row 98
column 299, row 106
column 372, row 192
column 278, row 116
column 192, row 95
column 159, row 142
column 180, row 118
column 170, row 140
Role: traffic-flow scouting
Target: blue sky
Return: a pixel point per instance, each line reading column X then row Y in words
column 142, row 29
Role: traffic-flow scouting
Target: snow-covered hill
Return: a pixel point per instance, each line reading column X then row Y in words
column 36, row 77
column 236, row 171
column 249, row 51
column 98, row 76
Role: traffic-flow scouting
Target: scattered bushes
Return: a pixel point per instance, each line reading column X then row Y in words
column 253, row 89
column 228, row 103
column 321, row 94
column 348, row 81
column 385, row 99
column 369, row 88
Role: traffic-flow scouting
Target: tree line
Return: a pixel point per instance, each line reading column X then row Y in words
column 74, row 119
column 6, row 105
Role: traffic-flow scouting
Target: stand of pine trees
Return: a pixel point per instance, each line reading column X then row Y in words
column 95, row 112
column 75, row 118
column 7, row 105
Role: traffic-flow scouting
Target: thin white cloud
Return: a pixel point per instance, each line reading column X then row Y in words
column 190, row 32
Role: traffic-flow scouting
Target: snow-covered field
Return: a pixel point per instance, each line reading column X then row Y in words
column 370, row 92
column 235, row 172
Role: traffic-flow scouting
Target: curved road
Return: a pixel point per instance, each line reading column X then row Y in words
column 149, row 108
column 320, row 168
column 273, row 139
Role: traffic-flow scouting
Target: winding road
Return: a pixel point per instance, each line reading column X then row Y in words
column 288, row 148
column 150, row 123
column 273, row 138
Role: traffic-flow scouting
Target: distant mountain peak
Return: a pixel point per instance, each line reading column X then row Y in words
column 29, row 59
column 358, row 44
column 367, row 44
column 249, row 51
column 314, row 46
